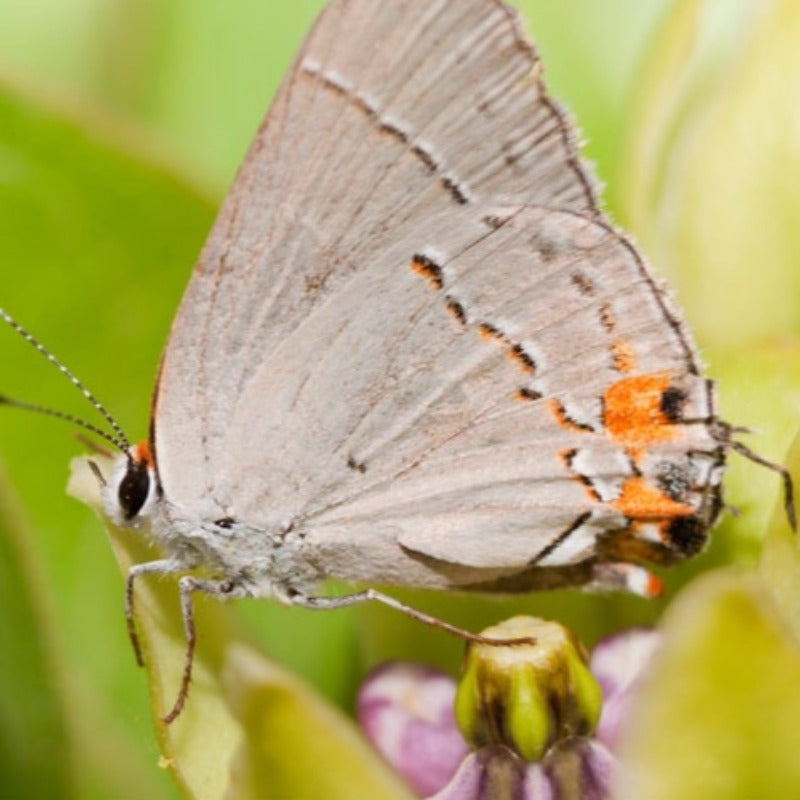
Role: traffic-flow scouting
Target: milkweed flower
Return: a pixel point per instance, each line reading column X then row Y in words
column 531, row 714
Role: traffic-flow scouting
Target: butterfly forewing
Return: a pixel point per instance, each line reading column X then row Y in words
column 412, row 335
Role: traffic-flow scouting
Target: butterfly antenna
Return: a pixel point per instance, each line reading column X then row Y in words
column 119, row 439
column 53, row 412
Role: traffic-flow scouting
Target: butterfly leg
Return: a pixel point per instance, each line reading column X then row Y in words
column 372, row 595
column 188, row 585
column 786, row 477
column 164, row 566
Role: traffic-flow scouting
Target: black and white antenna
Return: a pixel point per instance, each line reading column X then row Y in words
column 118, row 439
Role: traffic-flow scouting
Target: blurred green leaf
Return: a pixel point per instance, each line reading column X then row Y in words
column 718, row 716
column 79, row 217
column 202, row 74
column 297, row 746
column 760, row 387
column 780, row 556
column 712, row 180
column 35, row 746
column 683, row 64
column 199, row 74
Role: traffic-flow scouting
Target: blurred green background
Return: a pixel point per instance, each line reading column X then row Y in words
column 121, row 124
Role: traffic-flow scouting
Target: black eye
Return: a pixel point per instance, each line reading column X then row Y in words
column 133, row 488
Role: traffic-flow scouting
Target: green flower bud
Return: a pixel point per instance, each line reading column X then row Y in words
column 527, row 696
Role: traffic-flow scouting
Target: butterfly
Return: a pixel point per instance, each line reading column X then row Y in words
column 414, row 350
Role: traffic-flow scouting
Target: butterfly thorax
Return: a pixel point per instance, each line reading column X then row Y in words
column 257, row 562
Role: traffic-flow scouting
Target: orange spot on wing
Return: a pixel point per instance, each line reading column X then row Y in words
column 654, row 586
column 521, row 359
column 635, row 452
column 607, row 318
column 456, row 311
column 639, row 500
column 566, row 456
column 632, row 411
column 624, row 356
column 490, row 334
column 428, row 270
column 560, row 415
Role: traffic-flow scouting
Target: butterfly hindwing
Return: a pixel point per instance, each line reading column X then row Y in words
column 412, row 334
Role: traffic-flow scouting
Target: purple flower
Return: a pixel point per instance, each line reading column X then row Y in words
column 406, row 711
column 618, row 662
column 494, row 772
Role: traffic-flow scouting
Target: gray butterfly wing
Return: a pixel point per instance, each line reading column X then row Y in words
column 413, row 338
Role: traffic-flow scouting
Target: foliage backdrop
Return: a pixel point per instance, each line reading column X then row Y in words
column 121, row 124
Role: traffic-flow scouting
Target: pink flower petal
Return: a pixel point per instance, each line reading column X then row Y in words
column 495, row 772
column 406, row 711
column 618, row 662
column 583, row 768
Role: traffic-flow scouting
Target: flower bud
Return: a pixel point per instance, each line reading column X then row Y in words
column 527, row 696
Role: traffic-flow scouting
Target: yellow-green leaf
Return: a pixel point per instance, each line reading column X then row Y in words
column 296, row 745
column 721, row 197
column 718, row 717
column 780, row 556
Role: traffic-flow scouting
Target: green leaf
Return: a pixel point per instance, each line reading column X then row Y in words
column 682, row 65
column 719, row 148
column 35, row 747
column 718, row 717
column 296, row 745
column 760, row 390
column 780, row 556
column 96, row 239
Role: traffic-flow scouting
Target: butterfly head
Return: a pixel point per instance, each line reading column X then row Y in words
column 130, row 493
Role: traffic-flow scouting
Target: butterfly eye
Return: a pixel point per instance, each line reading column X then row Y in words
column 133, row 488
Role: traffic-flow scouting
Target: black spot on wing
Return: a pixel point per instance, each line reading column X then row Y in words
column 456, row 310
column 524, row 393
column 687, row 535
column 355, row 465
column 429, row 269
column 584, row 284
column 672, row 402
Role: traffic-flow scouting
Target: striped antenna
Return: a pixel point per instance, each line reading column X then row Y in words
column 119, row 440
